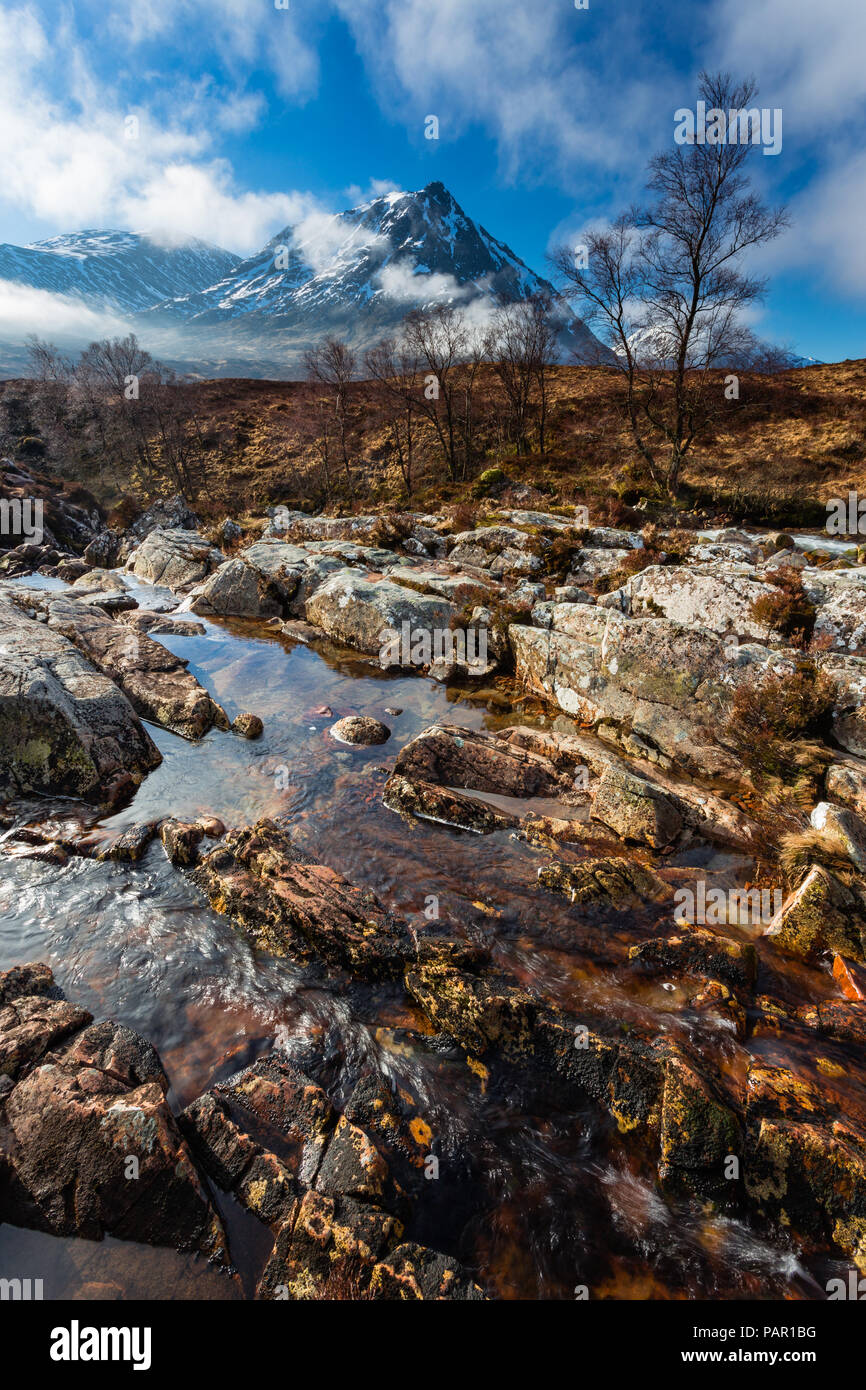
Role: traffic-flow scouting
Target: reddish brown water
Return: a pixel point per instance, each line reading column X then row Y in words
column 537, row 1200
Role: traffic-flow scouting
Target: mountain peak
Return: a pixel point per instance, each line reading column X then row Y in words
column 353, row 275
column 437, row 192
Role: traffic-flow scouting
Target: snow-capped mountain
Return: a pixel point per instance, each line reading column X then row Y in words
column 402, row 248
column 653, row 346
column 358, row 273
column 126, row 271
column 355, row 274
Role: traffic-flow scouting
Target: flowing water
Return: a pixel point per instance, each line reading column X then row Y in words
column 537, row 1199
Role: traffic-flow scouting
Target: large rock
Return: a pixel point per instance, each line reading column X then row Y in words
column 842, row 617
column 655, row 682
column 457, row 588
column 155, row 681
column 285, row 524
column 845, row 826
column 88, row 1145
column 849, row 713
column 699, row 1132
column 104, row 549
column 588, row 565
column 412, row 1273
column 805, row 1159
column 322, row 1182
column 846, row 782
column 262, row 1135
column 696, row 951
column 291, row 907
column 175, row 558
column 821, row 915
column 503, row 550
column 718, row 598
column 328, row 1249
column 270, row 578
column 370, row 615
column 611, row 880
column 588, row 761
column 448, row 756
column 422, row 800
column 636, row 810
column 166, row 514
column 64, row 727
column 236, row 589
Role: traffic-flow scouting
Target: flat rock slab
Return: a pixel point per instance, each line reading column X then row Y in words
column 291, row 907
column 155, row 681
column 447, row 756
column 64, row 727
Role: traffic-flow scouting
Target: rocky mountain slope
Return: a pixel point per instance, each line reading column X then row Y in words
column 355, row 274
column 125, row 271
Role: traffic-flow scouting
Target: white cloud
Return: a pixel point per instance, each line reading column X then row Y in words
column 809, row 56
column 323, row 238
column 61, row 318
column 193, row 200
column 376, row 188
column 810, row 62
column 66, row 158
column 243, row 34
column 558, row 98
column 400, row 281
column 826, row 235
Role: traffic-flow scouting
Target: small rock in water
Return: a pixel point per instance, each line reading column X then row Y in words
column 393, row 710
column 181, row 840
column 321, row 712
column 248, row 725
column 211, row 826
column 358, row 728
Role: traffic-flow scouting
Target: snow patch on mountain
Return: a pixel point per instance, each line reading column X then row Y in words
column 353, row 274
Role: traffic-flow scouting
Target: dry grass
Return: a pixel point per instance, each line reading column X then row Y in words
column 776, row 455
column 801, row 849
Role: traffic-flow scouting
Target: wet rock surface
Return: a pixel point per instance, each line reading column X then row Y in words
column 64, row 726
column 360, row 729
column 717, row 1059
column 88, row 1146
column 156, row 682
column 305, row 910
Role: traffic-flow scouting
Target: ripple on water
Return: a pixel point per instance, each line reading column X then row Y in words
column 544, row 1200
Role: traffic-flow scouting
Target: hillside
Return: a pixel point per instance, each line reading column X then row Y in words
column 792, row 440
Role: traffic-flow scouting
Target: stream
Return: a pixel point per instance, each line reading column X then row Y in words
column 540, row 1200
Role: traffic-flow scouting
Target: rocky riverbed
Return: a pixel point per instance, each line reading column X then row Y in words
column 392, row 909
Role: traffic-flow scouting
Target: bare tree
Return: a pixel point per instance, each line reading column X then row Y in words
column 332, row 364
column 47, row 363
column 450, row 353
column 121, row 409
column 394, row 369
column 666, row 283
column 521, row 347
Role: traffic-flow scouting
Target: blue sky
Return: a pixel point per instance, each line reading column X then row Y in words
column 252, row 116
